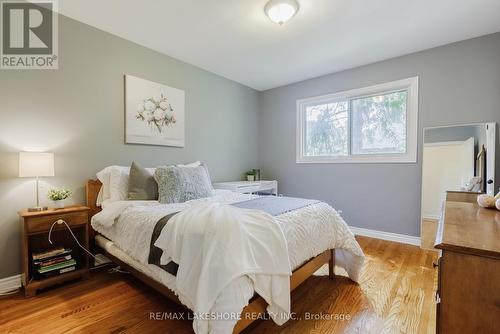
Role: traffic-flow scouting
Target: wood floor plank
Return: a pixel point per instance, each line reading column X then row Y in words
column 395, row 295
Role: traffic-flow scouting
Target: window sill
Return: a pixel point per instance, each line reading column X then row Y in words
column 372, row 159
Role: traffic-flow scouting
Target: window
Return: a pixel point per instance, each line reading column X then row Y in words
column 371, row 124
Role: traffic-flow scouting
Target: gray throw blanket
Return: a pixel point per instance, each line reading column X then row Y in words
column 272, row 205
column 155, row 252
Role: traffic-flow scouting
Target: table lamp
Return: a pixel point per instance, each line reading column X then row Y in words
column 36, row 164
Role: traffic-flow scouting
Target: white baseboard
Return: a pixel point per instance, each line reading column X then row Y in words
column 402, row 238
column 9, row 284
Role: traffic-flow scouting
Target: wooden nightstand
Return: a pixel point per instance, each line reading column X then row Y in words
column 35, row 231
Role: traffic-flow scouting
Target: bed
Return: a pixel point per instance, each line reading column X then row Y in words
column 308, row 252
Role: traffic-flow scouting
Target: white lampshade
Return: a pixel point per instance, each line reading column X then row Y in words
column 280, row 11
column 36, row 164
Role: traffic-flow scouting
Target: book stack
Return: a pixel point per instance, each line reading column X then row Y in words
column 53, row 262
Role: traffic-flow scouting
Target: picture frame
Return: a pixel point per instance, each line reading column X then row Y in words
column 154, row 113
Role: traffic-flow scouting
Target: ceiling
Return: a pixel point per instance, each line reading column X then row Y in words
column 234, row 38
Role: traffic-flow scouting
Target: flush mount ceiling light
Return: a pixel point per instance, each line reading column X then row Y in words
column 280, row 11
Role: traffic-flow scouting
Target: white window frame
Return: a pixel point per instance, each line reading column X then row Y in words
column 410, row 156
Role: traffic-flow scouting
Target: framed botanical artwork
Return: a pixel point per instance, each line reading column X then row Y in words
column 154, row 113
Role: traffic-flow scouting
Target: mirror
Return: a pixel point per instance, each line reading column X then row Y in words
column 455, row 158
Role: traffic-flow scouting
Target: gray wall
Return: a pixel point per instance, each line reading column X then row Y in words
column 459, row 83
column 454, row 133
column 78, row 113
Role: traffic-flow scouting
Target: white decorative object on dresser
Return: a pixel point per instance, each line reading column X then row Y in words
column 249, row 187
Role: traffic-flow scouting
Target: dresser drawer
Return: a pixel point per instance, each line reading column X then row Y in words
column 265, row 186
column 42, row 224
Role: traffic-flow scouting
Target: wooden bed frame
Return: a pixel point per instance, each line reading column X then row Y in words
column 257, row 305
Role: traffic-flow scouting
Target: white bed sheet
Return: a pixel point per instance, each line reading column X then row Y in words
column 309, row 231
column 234, row 295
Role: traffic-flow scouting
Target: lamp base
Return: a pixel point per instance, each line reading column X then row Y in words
column 38, row 209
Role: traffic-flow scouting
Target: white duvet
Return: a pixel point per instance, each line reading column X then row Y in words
column 214, row 244
column 308, row 232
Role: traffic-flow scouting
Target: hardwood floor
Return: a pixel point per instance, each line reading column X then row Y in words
column 428, row 230
column 395, row 295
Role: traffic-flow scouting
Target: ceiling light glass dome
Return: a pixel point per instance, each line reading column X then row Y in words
column 280, row 11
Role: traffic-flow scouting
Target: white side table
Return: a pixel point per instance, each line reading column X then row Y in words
column 249, row 187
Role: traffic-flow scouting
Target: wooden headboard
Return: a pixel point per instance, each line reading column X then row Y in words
column 92, row 189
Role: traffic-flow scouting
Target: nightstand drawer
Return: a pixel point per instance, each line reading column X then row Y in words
column 249, row 187
column 42, row 224
column 35, row 228
column 267, row 185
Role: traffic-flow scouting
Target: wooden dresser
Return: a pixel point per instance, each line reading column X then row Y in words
column 468, row 294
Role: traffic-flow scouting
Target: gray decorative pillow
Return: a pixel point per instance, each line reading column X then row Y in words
column 181, row 184
column 142, row 185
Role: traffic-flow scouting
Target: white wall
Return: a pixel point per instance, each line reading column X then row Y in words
column 446, row 166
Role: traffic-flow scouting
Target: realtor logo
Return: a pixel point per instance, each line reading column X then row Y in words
column 29, row 34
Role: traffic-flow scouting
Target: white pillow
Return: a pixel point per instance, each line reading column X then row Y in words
column 118, row 184
column 192, row 164
column 105, row 177
column 99, row 199
column 114, row 181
